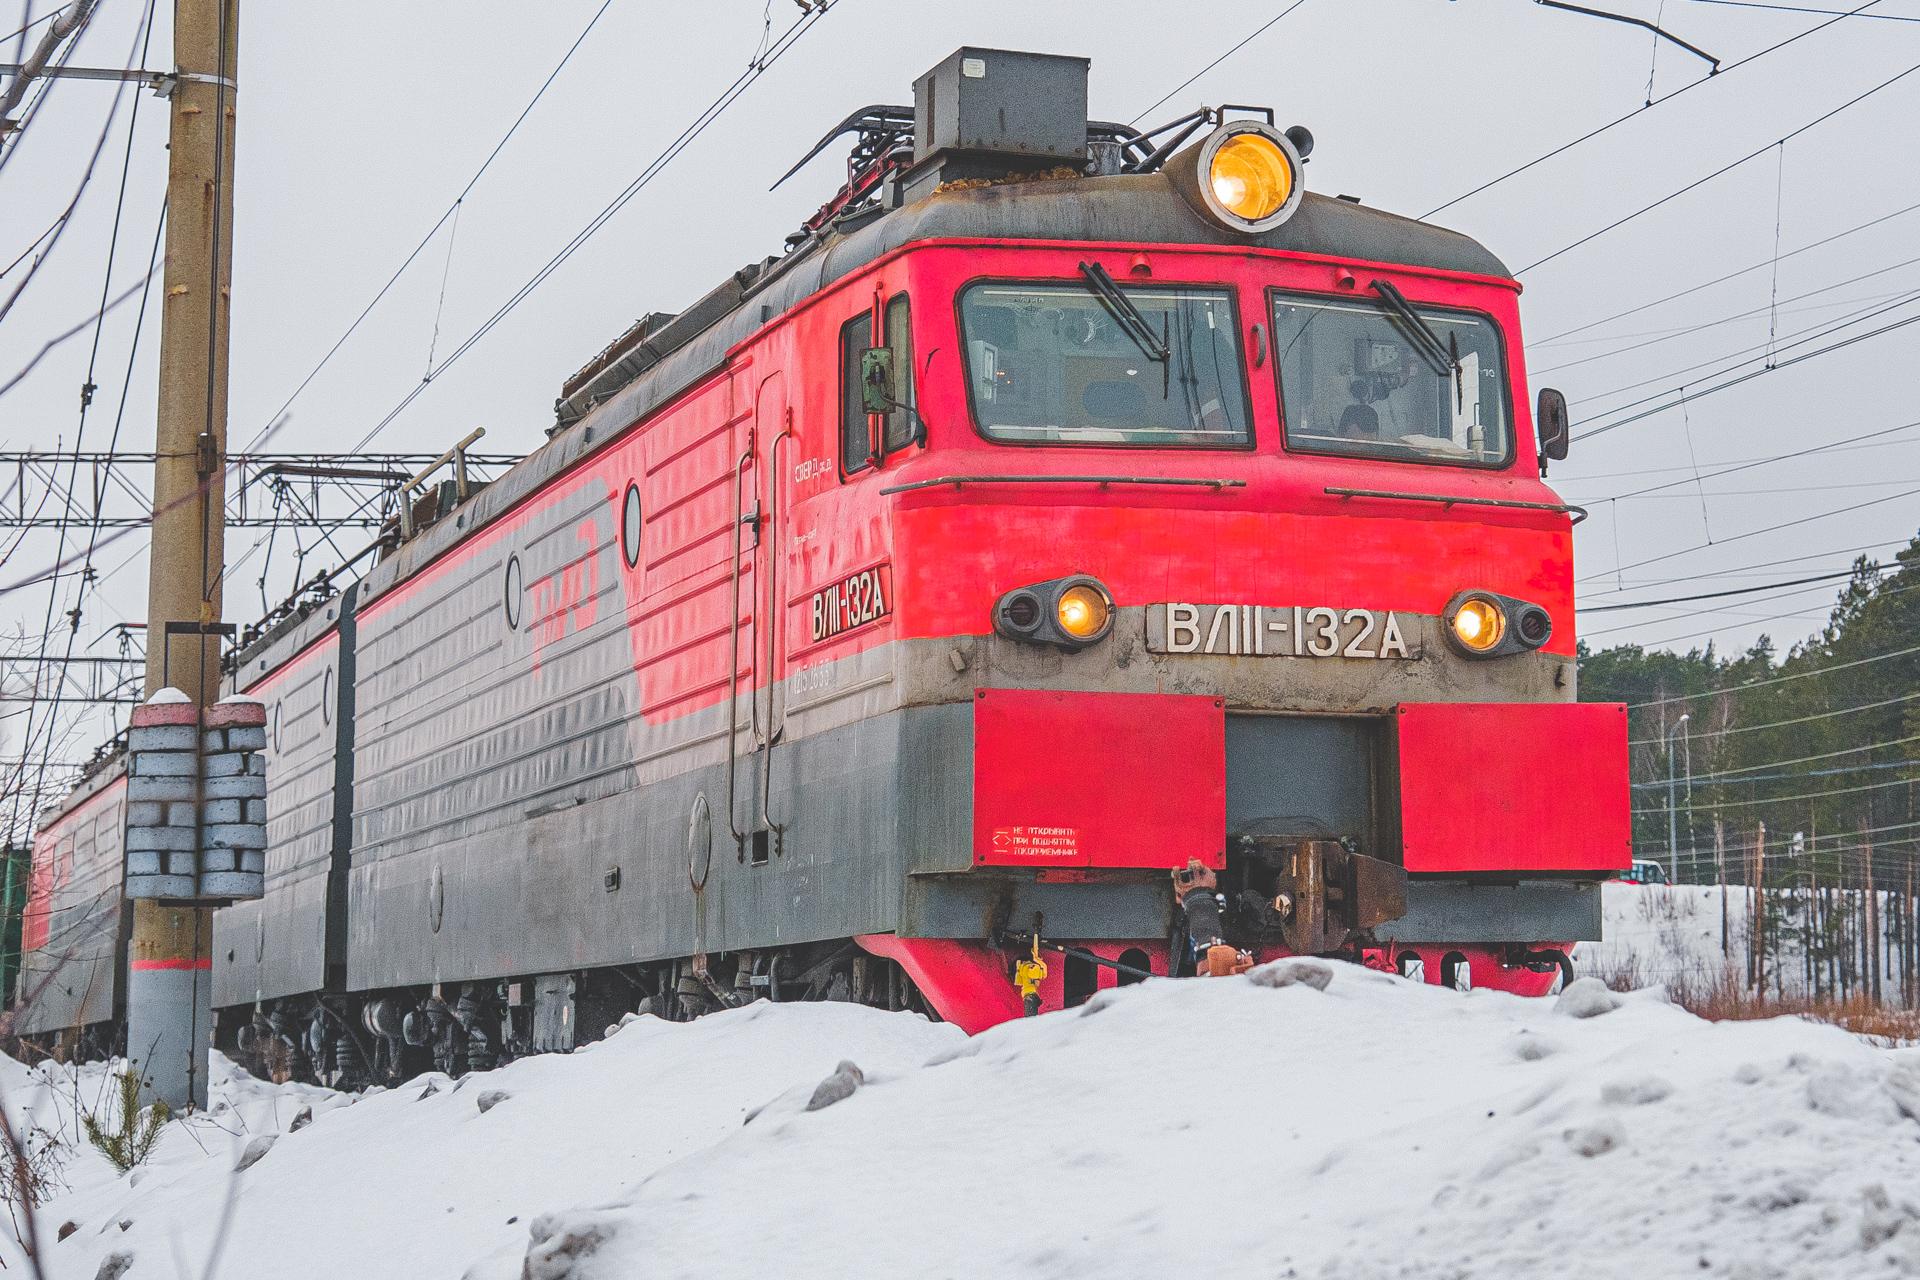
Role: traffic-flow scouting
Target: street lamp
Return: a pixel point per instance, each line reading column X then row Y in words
column 1673, row 823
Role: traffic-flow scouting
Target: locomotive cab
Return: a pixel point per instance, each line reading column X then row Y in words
column 1235, row 544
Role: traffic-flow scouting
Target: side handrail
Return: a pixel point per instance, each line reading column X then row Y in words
column 740, row 517
column 775, row 625
column 1205, row 482
column 1452, row 500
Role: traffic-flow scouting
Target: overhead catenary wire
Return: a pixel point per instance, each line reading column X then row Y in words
column 1713, row 574
column 1764, row 354
column 1778, row 489
column 766, row 54
column 1754, row 533
column 647, row 174
column 1808, row 795
column 1255, row 34
column 1772, row 459
column 1737, row 619
column 1716, row 595
column 86, row 177
column 27, row 252
column 1782, row 679
column 42, row 91
column 1802, row 8
column 1704, row 779
column 1813, row 839
column 44, row 18
column 1793, row 775
column 70, row 22
column 279, row 423
column 86, row 401
column 1798, row 610
column 1833, row 447
column 1761, row 265
column 451, row 211
column 68, row 334
column 1664, row 98
column 1692, row 330
column 1685, row 395
column 1697, row 183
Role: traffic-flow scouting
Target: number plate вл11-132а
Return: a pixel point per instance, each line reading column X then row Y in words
column 1274, row 631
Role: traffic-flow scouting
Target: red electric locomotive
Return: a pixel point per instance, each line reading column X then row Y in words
column 1084, row 555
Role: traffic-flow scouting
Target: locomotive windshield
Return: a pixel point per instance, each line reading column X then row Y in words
column 1057, row 364
column 1357, row 380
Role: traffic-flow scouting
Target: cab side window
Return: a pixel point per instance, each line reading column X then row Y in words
column 901, row 422
column 856, row 435
column 899, row 426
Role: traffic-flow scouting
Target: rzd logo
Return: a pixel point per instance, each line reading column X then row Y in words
column 566, row 600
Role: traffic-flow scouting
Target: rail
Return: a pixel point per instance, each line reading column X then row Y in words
column 1451, row 500
column 1103, row 481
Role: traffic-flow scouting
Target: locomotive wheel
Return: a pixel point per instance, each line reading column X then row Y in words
column 1456, row 973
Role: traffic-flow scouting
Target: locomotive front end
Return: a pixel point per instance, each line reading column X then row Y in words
column 1229, row 531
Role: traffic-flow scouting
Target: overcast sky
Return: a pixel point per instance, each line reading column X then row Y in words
column 360, row 122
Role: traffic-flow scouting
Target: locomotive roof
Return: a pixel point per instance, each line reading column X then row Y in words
column 1145, row 208
column 1123, row 208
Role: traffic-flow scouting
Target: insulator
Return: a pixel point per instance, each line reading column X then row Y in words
column 346, row 1057
column 317, row 1031
column 297, row 1063
column 383, row 1018
column 447, row 1054
column 468, row 1010
column 480, row 1055
column 693, row 997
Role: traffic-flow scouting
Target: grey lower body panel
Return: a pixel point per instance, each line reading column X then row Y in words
column 1469, row 911
column 272, row 946
column 976, row 904
column 75, row 980
column 612, row 880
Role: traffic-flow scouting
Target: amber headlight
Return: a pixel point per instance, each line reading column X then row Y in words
column 1482, row 624
column 1251, row 176
column 1246, row 175
column 1478, row 624
column 1068, row 613
column 1083, row 611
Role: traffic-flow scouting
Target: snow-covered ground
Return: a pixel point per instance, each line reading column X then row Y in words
column 1254, row 1126
column 1694, row 938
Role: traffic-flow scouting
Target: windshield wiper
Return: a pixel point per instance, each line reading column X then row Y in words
column 1125, row 314
column 1434, row 351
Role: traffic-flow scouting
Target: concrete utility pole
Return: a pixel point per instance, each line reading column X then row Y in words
column 1673, row 821
column 170, row 960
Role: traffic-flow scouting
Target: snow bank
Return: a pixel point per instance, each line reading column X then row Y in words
column 1230, row 1127
column 418, row 1181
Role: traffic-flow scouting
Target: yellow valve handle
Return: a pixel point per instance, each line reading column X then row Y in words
column 1028, row 975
